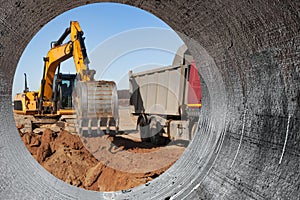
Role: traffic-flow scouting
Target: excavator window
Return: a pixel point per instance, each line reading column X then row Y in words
column 66, row 92
column 63, row 88
column 18, row 105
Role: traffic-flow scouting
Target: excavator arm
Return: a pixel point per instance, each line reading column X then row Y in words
column 60, row 52
column 54, row 57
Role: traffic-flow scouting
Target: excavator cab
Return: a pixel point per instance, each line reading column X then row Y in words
column 62, row 90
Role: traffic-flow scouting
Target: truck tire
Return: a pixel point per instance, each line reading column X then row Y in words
column 156, row 130
column 143, row 125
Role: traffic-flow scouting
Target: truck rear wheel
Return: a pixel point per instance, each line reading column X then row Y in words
column 143, row 125
column 156, row 130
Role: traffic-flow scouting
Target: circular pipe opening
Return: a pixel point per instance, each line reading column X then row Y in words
column 254, row 51
column 176, row 108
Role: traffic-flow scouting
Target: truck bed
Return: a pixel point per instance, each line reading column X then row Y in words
column 157, row 91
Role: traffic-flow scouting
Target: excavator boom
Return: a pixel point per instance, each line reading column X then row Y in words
column 60, row 52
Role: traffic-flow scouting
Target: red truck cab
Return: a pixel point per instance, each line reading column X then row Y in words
column 194, row 91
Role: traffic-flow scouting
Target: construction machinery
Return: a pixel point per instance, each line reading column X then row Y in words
column 167, row 100
column 92, row 102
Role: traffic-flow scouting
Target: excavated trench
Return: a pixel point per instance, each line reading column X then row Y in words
column 248, row 142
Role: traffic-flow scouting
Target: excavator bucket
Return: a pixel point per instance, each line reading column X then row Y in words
column 96, row 105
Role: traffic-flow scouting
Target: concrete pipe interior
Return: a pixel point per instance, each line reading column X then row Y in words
column 248, row 142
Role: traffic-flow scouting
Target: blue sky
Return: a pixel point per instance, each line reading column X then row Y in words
column 119, row 38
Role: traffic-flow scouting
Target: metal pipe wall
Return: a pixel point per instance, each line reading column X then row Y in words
column 248, row 142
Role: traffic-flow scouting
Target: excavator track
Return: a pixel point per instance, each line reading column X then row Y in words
column 96, row 105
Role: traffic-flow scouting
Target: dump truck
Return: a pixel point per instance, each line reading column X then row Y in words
column 93, row 103
column 167, row 100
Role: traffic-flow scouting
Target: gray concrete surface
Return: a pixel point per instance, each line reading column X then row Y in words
column 248, row 142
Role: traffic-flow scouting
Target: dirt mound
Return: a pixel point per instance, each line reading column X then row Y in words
column 65, row 156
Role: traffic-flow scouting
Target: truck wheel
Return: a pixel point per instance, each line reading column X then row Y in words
column 143, row 125
column 144, row 133
column 155, row 139
column 156, row 132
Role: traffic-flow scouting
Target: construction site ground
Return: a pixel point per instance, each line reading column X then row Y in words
column 100, row 163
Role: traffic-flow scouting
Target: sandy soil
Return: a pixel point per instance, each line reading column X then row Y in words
column 102, row 163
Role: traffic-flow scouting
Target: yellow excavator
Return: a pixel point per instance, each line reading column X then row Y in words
column 92, row 102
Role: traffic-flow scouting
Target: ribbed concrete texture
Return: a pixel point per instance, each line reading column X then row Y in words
column 248, row 142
